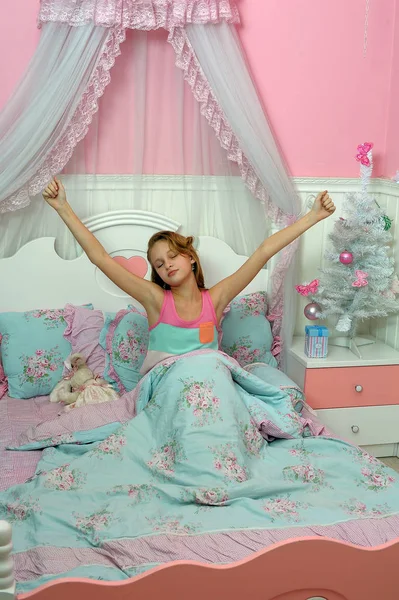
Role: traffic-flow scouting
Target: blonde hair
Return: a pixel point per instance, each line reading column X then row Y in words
column 181, row 245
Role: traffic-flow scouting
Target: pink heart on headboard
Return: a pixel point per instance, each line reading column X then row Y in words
column 135, row 264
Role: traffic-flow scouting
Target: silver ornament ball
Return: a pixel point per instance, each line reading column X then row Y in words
column 311, row 311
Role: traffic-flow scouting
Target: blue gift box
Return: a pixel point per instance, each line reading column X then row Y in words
column 316, row 341
column 316, row 330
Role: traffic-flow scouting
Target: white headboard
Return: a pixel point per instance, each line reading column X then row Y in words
column 36, row 277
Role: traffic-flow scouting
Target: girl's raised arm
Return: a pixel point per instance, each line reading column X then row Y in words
column 147, row 293
column 227, row 289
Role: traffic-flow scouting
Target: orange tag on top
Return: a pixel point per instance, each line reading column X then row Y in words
column 206, row 333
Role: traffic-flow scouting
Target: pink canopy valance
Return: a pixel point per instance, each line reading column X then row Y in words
column 138, row 14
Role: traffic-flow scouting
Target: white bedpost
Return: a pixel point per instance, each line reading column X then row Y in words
column 7, row 584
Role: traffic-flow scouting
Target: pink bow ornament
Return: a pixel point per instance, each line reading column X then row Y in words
column 362, row 152
column 310, row 288
column 361, row 280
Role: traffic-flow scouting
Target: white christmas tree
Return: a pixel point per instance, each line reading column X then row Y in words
column 361, row 283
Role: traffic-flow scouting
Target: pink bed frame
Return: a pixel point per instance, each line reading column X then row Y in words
column 297, row 569
column 293, row 570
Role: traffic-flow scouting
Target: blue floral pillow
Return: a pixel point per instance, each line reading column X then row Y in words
column 33, row 351
column 247, row 335
column 124, row 337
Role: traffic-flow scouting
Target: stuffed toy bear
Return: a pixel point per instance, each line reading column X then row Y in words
column 81, row 386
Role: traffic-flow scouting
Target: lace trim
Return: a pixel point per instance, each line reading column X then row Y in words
column 138, row 14
column 186, row 60
column 77, row 128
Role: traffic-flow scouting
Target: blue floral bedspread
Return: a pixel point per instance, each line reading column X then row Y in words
column 216, row 464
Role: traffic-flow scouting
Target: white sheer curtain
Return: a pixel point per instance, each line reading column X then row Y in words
column 219, row 53
column 36, row 117
column 221, row 57
column 148, row 148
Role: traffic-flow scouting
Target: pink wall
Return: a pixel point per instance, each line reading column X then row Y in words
column 321, row 95
column 18, row 39
column 392, row 145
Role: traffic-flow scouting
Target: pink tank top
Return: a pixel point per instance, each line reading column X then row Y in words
column 173, row 336
column 169, row 314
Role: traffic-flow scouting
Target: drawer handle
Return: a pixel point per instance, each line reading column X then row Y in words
column 358, row 388
column 355, row 429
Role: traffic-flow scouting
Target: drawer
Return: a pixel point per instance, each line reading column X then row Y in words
column 336, row 387
column 363, row 426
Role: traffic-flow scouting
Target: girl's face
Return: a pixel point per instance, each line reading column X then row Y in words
column 173, row 268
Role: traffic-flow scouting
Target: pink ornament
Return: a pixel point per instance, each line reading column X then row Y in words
column 361, row 280
column 310, row 288
column 346, row 258
column 311, row 311
column 362, row 152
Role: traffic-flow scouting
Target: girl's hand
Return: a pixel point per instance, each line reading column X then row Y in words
column 54, row 194
column 323, row 206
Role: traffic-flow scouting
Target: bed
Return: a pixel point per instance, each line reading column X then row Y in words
column 125, row 500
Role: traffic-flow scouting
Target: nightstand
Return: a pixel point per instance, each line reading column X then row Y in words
column 357, row 398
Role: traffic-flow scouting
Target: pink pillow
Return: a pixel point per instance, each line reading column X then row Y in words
column 83, row 333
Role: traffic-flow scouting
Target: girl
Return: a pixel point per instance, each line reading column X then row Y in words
column 183, row 316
